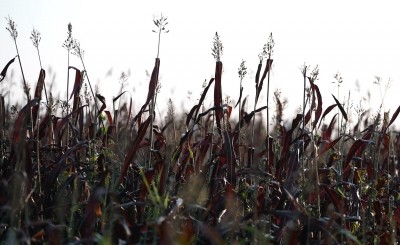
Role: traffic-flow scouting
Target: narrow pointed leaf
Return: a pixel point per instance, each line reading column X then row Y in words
column 344, row 114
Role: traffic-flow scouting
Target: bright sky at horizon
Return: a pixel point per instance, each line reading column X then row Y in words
column 359, row 39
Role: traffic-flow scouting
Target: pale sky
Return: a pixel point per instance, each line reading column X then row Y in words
column 359, row 39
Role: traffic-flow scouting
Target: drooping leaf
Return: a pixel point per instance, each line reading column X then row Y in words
column 319, row 106
column 190, row 115
column 4, row 71
column 103, row 102
column 77, row 84
column 326, row 112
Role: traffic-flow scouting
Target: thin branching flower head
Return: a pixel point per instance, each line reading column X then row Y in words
column 218, row 49
column 314, row 74
column 12, row 28
column 77, row 50
column 35, row 37
column 338, row 77
column 161, row 23
column 69, row 42
column 269, row 48
column 242, row 71
column 304, row 69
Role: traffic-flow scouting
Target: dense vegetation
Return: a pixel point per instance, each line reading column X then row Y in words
column 84, row 174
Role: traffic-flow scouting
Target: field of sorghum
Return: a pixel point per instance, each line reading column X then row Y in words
column 76, row 173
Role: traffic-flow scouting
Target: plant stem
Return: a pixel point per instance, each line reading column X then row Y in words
column 22, row 71
column 66, row 101
column 240, row 112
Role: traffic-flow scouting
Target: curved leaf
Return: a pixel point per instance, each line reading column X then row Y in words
column 344, row 114
column 4, row 71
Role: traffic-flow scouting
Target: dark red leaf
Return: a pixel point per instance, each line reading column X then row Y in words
column 319, row 106
column 77, row 83
column 204, row 146
column 21, row 121
column 327, row 146
column 203, row 96
column 109, row 117
column 132, row 150
column 327, row 110
column 327, row 133
column 103, row 101
column 153, row 82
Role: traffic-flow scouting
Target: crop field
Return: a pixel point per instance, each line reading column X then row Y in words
column 84, row 169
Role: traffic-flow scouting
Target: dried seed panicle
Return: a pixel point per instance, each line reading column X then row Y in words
column 218, row 49
column 35, row 37
column 12, row 28
column 242, row 70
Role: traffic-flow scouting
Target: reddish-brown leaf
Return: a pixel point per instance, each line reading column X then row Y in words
column 326, row 112
column 319, row 106
column 132, row 150
column 203, row 96
column 204, row 146
column 103, row 102
column 21, row 121
column 109, row 117
column 190, row 115
column 327, row 146
column 153, row 82
column 77, row 83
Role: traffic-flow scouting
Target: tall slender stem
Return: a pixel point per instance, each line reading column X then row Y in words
column 22, row 71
